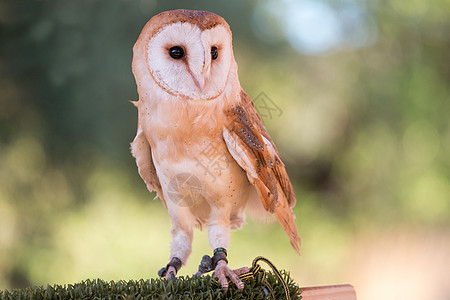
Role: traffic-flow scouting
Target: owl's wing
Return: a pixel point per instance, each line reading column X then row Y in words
column 140, row 148
column 251, row 146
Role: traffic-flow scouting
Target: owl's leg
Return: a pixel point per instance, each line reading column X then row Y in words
column 180, row 248
column 219, row 239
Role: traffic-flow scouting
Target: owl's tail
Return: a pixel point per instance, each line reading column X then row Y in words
column 286, row 217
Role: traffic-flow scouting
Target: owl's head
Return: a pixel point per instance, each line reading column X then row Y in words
column 188, row 54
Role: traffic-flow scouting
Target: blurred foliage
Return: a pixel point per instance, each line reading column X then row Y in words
column 364, row 132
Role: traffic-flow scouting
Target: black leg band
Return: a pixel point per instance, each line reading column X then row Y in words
column 219, row 254
column 174, row 262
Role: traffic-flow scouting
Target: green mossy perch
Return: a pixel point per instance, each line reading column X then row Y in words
column 192, row 288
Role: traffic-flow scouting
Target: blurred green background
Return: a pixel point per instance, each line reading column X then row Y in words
column 363, row 126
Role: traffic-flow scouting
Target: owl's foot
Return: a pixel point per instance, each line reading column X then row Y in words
column 170, row 271
column 222, row 271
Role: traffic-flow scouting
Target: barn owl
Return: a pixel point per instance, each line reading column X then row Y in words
column 200, row 143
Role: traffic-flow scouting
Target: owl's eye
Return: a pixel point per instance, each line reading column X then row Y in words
column 176, row 52
column 214, row 53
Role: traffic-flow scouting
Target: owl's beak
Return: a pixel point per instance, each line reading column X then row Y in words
column 199, row 81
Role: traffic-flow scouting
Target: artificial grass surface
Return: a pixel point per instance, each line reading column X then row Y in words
column 204, row 287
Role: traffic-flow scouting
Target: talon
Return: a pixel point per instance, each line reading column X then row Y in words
column 240, row 286
column 222, row 271
column 171, row 272
column 241, row 271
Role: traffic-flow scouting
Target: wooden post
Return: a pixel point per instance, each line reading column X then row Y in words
column 331, row 292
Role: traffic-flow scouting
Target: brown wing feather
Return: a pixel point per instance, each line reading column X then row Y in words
column 255, row 151
column 278, row 166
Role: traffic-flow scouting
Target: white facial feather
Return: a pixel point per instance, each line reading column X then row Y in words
column 178, row 76
column 220, row 68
